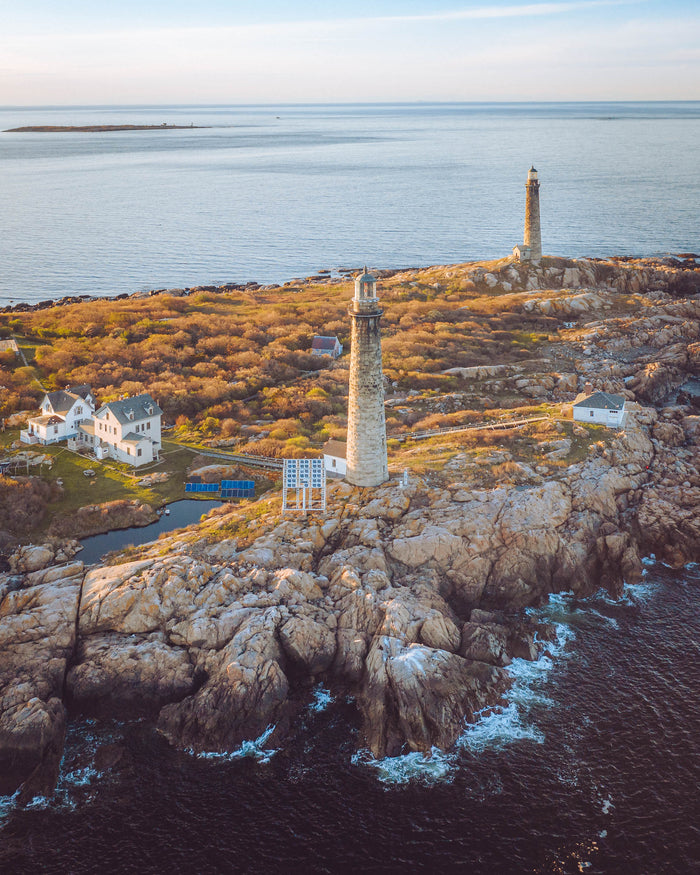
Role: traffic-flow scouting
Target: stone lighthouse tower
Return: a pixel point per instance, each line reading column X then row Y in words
column 531, row 250
column 366, row 446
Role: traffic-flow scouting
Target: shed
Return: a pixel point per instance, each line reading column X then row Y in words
column 334, row 453
column 322, row 345
column 601, row 408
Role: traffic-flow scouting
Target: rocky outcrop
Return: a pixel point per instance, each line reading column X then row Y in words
column 408, row 598
column 92, row 519
column 37, row 638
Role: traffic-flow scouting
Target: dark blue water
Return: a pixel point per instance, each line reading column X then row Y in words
column 271, row 193
column 182, row 513
column 594, row 766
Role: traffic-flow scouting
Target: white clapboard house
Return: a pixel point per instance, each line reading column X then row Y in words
column 127, row 430
column 600, row 408
column 62, row 412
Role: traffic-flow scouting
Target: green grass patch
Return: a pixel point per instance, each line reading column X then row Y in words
column 108, row 484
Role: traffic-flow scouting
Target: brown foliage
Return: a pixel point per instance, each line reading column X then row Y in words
column 23, row 503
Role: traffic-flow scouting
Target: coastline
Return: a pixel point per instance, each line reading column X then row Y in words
column 411, row 599
column 90, row 129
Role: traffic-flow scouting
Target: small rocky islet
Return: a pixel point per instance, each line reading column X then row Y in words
column 408, row 597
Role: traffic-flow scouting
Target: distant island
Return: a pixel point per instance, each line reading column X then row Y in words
column 88, row 129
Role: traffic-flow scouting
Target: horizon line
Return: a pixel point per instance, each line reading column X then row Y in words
column 484, row 102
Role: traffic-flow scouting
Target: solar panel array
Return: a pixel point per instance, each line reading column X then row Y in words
column 304, row 472
column 237, row 488
column 304, row 485
column 229, row 488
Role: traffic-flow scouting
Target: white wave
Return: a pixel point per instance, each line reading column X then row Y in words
column 255, row 749
column 500, row 728
column 83, row 777
column 322, row 698
column 434, row 768
column 607, row 805
column 513, row 722
column 7, row 806
column 633, row 593
column 611, row 621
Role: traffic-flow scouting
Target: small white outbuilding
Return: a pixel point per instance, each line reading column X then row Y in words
column 334, row 453
column 600, row 408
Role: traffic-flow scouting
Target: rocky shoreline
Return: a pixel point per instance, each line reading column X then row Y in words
column 409, row 599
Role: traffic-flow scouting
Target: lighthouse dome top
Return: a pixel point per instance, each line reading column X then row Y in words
column 365, row 277
column 532, row 173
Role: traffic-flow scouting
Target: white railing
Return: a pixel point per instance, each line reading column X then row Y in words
column 28, row 437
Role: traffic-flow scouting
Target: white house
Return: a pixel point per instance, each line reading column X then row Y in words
column 326, row 346
column 334, row 458
column 62, row 412
column 127, row 430
column 600, row 408
column 9, row 346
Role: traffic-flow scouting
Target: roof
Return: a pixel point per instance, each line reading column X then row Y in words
column 365, row 277
column 138, row 405
column 87, row 427
column 61, row 401
column 83, row 390
column 601, row 401
column 335, row 448
column 6, row 345
column 322, row 342
column 47, row 419
column 133, row 438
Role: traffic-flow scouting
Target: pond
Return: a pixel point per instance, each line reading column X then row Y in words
column 182, row 513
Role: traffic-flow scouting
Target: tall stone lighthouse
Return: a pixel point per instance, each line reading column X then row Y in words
column 366, row 446
column 531, row 250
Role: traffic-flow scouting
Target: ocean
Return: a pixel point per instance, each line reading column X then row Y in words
column 272, row 193
column 591, row 766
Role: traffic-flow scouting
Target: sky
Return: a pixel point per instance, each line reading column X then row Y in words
column 77, row 52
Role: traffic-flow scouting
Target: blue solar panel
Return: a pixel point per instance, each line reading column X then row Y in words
column 238, row 493
column 238, row 484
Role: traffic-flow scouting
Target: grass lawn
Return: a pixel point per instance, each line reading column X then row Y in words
column 108, row 484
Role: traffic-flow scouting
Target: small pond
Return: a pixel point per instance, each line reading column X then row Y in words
column 182, row 513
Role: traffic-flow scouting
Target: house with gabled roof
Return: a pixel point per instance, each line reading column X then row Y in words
column 62, row 412
column 322, row 345
column 600, row 408
column 127, row 430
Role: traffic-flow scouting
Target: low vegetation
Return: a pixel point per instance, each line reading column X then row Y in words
column 233, row 369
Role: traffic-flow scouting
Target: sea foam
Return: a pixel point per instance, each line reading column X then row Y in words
column 321, row 699
column 434, row 768
column 254, row 748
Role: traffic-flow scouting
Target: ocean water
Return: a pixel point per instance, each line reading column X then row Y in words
column 270, row 193
column 591, row 766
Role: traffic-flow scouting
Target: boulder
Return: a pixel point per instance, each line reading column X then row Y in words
column 125, row 676
column 308, row 644
column 415, row 697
